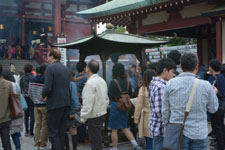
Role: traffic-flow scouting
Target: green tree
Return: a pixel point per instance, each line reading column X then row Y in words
column 120, row 29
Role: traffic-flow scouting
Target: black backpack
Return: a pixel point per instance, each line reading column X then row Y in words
column 24, row 84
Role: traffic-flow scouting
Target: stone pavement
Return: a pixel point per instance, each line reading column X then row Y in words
column 27, row 144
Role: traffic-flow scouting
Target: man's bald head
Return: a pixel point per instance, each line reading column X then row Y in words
column 94, row 66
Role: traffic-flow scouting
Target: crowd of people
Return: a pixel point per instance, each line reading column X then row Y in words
column 62, row 104
column 16, row 51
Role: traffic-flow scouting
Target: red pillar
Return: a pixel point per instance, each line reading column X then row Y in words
column 57, row 17
column 199, row 50
column 23, row 31
column 219, row 41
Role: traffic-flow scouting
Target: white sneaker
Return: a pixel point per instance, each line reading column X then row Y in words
column 36, row 147
column 43, row 147
column 137, row 148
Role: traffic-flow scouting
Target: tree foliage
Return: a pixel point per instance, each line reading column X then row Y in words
column 121, row 29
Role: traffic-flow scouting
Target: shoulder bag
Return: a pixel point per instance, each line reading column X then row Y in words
column 124, row 102
column 14, row 104
column 23, row 102
column 174, row 132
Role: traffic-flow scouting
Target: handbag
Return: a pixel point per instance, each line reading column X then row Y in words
column 124, row 102
column 174, row 131
column 15, row 105
column 221, row 107
column 23, row 102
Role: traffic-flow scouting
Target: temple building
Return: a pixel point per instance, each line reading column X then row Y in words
column 26, row 22
column 203, row 20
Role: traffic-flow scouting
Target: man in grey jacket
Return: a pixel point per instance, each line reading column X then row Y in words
column 95, row 102
column 56, row 90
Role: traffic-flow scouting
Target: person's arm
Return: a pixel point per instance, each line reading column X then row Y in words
column 48, row 83
column 75, row 105
column 30, row 90
column 111, row 91
column 165, row 107
column 88, row 97
column 139, row 106
column 213, row 103
column 211, row 79
column 21, row 83
column 130, row 89
column 158, row 96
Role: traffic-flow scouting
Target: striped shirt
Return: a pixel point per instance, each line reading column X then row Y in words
column 175, row 99
column 156, row 89
column 35, row 88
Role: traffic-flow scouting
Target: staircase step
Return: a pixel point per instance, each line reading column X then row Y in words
column 19, row 64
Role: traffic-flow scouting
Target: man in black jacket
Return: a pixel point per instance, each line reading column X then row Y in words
column 56, row 91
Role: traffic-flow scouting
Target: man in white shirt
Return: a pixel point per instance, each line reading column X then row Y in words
column 95, row 102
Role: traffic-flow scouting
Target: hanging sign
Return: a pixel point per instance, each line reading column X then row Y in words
column 62, row 50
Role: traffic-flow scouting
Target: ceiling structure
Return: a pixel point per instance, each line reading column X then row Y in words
column 125, row 12
column 122, row 13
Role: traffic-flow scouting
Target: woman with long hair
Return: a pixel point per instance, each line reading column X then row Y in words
column 16, row 125
column 72, row 124
column 142, row 108
column 119, row 119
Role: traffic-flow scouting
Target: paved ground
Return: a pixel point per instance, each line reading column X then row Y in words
column 27, row 144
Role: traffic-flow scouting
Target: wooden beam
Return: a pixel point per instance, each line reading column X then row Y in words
column 72, row 20
column 219, row 41
column 174, row 25
column 38, row 17
column 37, row 10
column 23, row 31
column 57, row 17
column 10, row 15
column 125, row 22
column 117, row 21
column 27, row 16
column 79, row 3
column 199, row 50
column 40, row 1
column 71, row 13
column 9, row 8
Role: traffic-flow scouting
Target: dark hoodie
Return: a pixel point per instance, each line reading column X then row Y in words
column 24, row 83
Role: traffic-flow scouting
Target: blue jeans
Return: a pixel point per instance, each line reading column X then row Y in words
column 16, row 140
column 189, row 144
column 157, row 142
column 148, row 143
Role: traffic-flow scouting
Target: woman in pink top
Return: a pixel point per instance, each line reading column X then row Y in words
column 13, row 52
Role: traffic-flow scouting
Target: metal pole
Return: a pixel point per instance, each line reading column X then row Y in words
column 103, row 66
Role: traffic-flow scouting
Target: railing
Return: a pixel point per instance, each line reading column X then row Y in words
column 41, row 55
